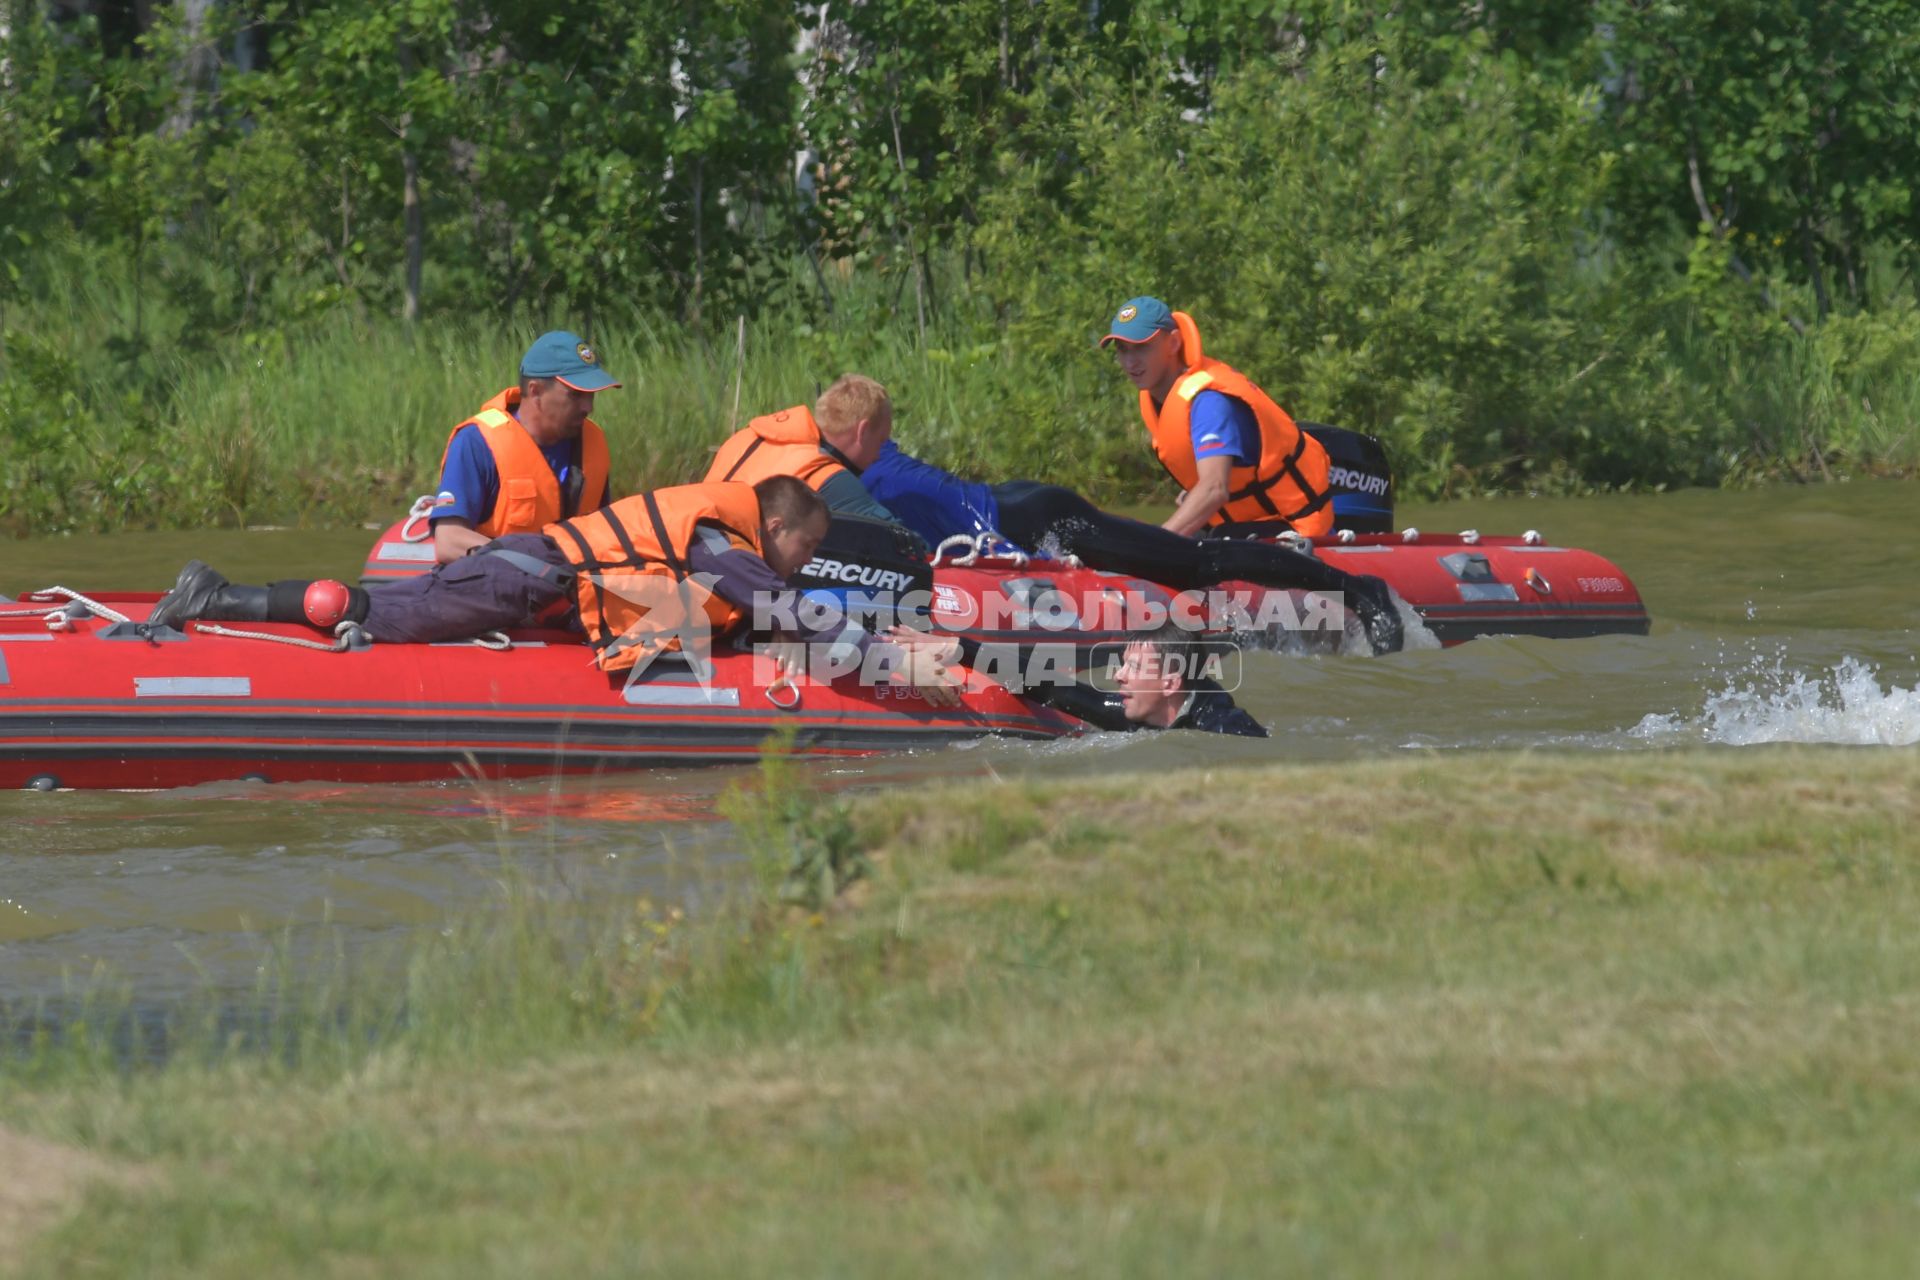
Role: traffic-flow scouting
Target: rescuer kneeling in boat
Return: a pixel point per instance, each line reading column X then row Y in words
column 1237, row 456
column 1160, row 684
column 826, row 446
column 723, row 550
column 530, row 456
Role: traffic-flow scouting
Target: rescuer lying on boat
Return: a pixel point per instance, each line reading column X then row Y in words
column 935, row 504
column 1161, row 685
column 637, row 577
column 1238, row 456
column 852, row 436
column 527, row 457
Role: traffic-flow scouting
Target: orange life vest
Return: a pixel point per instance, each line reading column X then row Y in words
column 530, row 494
column 1289, row 481
column 630, row 565
column 776, row 444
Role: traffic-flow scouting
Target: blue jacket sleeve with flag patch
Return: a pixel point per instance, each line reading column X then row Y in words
column 470, row 482
column 1224, row 427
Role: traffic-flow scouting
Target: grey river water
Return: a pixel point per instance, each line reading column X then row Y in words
column 1781, row 615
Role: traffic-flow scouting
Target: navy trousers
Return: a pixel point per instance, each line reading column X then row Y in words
column 478, row 592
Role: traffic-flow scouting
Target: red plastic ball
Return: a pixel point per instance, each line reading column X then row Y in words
column 326, row 603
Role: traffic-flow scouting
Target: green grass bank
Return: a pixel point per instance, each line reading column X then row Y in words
column 1446, row 1016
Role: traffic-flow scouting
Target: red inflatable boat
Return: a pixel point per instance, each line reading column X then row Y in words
column 86, row 700
column 89, row 702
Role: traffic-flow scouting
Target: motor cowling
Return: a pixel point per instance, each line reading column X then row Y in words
column 1359, row 477
column 875, row 572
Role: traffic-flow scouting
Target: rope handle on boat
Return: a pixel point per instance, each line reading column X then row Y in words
column 57, row 618
column 982, row 545
column 421, row 509
column 961, row 541
column 787, row 683
column 343, row 636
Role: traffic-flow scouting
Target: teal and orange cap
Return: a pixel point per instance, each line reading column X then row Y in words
column 565, row 356
column 1139, row 319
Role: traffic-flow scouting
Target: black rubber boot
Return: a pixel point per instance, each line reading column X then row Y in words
column 1372, row 600
column 201, row 592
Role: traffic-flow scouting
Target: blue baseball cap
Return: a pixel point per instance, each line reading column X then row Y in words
column 565, row 356
column 1139, row 319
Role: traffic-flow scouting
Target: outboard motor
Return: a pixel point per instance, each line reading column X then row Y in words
column 1359, row 476
column 877, row 573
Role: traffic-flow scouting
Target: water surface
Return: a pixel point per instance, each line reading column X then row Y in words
column 1785, row 614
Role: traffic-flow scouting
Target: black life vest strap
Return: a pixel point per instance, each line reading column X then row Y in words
column 586, row 574
column 745, row 453
column 1290, row 468
column 675, row 561
column 589, row 565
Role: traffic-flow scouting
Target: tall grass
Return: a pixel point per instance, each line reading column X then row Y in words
column 341, row 419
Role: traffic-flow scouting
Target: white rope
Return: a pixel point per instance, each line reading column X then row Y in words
column 56, row 615
column 983, row 546
column 961, row 541
column 421, row 509
column 343, row 636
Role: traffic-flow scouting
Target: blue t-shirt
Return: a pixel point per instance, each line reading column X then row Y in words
column 470, row 482
column 930, row 500
column 1224, row 427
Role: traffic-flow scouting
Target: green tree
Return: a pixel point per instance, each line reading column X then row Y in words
column 1411, row 254
column 1784, row 133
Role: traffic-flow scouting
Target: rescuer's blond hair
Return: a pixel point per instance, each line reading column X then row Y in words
column 848, row 402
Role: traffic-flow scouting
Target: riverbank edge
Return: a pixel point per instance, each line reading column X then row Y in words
column 1470, row 1015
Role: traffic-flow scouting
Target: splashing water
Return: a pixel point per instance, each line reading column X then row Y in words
column 1846, row 705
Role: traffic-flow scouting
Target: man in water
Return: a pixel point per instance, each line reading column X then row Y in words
column 1236, row 455
column 1161, row 684
column 527, row 457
